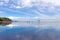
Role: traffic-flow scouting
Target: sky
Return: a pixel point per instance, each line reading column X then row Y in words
column 30, row 8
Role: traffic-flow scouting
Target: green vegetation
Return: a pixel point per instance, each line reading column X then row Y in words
column 5, row 21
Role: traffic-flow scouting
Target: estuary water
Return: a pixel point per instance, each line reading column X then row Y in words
column 24, row 31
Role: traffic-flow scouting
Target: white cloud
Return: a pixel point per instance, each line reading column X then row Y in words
column 26, row 3
column 18, row 7
column 1, row 3
column 6, row 1
column 55, row 2
column 30, row 3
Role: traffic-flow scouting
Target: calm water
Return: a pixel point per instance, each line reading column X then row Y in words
column 15, row 31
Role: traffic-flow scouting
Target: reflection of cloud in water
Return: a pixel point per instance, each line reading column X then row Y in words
column 42, row 24
column 30, row 33
column 12, row 25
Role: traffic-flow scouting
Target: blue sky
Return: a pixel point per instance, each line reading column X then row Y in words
column 16, row 12
column 31, row 8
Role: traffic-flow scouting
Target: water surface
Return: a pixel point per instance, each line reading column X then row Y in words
column 15, row 31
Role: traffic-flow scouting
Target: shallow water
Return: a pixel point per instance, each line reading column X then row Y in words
column 18, row 32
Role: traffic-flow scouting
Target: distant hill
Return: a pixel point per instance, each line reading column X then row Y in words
column 5, row 21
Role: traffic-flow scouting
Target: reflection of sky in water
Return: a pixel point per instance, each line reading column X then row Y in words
column 28, row 33
column 44, row 23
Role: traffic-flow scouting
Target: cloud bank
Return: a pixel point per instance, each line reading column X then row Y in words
column 43, row 8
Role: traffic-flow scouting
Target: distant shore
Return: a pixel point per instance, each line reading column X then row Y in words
column 5, row 21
